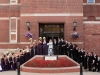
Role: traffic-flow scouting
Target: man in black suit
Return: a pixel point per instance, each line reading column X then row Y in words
column 98, row 64
column 55, row 45
column 62, row 46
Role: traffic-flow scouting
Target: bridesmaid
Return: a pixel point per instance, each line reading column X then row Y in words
column 45, row 47
column 10, row 61
column 40, row 47
column 5, row 63
column 2, row 63
column 31, row 50
column 14, row 64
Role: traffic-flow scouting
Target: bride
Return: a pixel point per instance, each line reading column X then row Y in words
column 50, row 47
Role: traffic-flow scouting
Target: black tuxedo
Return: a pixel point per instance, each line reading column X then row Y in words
column 63, row 47
column 67, row 49
column 98, row 62
column 55, row 47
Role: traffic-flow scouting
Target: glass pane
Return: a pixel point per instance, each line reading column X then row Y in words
column 13, row 36
column 13, row 1
column 13, row 24
column 90, row 1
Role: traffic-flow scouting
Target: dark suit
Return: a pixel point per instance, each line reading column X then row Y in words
column 98, row 67
column 55, row 46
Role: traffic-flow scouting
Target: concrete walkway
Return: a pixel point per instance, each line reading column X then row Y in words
column 25, row 73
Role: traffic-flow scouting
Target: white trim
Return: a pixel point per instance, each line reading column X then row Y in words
column 15, row 42
column 77, row 42
column 8, row 4
column 30, row 43
column 53, row 14
column 91, row 22
column 14, row 3
column 85, row 18
column 91, row 3
column 97, row 18
column 7, row 18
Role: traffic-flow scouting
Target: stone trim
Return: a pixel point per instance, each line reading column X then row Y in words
column 8, row 4
column 85, row 18
column 30, row 42
column 53, row 14
column 91, row 3
column 91, row 22
column 76, row 42
column 7, row 18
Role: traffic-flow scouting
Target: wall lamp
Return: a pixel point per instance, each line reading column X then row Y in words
column 28, row 25
column 75, row 25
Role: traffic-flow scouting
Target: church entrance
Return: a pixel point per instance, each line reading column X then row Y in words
column 51, row 30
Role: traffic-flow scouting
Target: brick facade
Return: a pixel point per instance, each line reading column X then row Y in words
column 27, row 10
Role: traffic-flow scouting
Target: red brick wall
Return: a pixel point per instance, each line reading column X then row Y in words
column 10, row 11
column 92, row 38
column 52, row 6
column 91, row 10
column 4, row 30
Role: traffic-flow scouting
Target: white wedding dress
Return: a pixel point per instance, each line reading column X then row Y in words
column 0, row 68
column 50, row 48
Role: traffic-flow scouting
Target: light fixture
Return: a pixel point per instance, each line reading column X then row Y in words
column 75, row 25
column 28, row 25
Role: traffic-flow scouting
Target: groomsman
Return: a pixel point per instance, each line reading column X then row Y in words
column 55, row 45
column 59, row 46
column 98, row 64
column 70, row 50
column 66, row 48
column 90, row 61
column 85, row 61
column 62, row 46
column 74, row 52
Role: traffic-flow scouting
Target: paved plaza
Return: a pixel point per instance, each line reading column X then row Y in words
column 25, row 73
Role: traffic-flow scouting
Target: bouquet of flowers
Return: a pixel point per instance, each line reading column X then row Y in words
column 29, row 35
column 75, row 35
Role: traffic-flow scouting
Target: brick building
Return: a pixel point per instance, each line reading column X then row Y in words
column 52, row 19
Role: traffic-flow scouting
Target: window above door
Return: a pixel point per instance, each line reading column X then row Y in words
column 90, row 1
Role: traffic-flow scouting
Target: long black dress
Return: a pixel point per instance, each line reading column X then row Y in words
column 40, row 49
column 45, row 49
column 31, row 52
column 2, row 64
